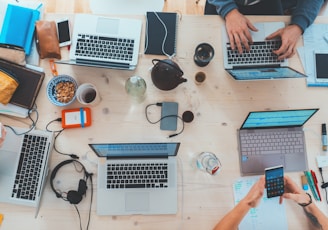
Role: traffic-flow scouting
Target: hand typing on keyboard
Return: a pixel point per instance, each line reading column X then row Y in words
column 239, row 27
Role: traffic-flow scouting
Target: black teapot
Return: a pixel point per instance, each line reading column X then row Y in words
column 166, row 74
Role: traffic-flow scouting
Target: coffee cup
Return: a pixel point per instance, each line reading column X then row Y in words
column 87, row 94
column 200, row 77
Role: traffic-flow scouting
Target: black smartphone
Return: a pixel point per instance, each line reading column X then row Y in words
column 169, row 116
column 63, row 31
column 274, row 181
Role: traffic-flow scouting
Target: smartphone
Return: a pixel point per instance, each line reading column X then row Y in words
column 274, row 181
column 169, row 116
column 320, row 66
column 63, row 31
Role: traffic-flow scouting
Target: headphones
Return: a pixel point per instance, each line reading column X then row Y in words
column 72, row 196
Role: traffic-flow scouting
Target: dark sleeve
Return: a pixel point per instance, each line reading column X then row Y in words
column 223, row 7
column 305, row 12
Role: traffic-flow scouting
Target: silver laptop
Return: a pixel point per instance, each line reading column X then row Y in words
column 259, row 63
column 136, row 178
column 269, row 138
column 105, row 42
column 24, row 166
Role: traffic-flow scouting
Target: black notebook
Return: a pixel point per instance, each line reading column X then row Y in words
column 158, row 34
column 30, row 82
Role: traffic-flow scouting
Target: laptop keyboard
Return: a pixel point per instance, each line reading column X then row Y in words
column 137, row 175
column 29, row 167
column 104, row 47
column 271, row 143
column 259, row 53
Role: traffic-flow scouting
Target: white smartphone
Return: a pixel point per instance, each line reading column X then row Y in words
column 63, row 31
column 320, row 65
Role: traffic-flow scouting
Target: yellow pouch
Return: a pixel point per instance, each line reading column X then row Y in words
column 8, row 85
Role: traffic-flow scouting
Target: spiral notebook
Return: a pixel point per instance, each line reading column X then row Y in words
column 161, row 31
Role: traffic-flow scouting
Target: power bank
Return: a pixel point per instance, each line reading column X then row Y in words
column 169, row 116
column 75, row 118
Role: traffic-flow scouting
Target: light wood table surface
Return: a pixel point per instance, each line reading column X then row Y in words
column 219, row 105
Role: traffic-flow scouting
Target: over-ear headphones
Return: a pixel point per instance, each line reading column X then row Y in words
column 72, row 196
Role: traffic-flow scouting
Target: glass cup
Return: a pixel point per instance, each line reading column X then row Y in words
column 204, row 53
column 208, row 162
column 136, row 87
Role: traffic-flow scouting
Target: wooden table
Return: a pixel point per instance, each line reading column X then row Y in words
column 220, row 105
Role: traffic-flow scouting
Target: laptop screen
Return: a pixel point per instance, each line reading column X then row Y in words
column 121, row 150
column 281, row 118
column 264, row 73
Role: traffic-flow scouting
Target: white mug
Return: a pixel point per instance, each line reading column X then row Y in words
column 87, row 94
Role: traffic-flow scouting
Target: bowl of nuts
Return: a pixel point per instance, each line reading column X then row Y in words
column 61, row 90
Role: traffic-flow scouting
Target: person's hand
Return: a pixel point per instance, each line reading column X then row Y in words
column 289, row 37
column 3, row 134
column 255, row 194
column 238, row 27
column 294, row 192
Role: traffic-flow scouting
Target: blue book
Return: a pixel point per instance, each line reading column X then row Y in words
column 18, row 26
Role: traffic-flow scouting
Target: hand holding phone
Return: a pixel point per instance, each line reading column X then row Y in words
column 274, row 181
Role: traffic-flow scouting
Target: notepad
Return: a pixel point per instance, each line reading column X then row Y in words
column 18, row 26
column 259, row 217
column 161, row 31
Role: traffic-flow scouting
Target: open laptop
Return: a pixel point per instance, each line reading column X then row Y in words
column 24, row 166
column 269, row 138
column 105, row 42
column 259, row 63
column 128, row 182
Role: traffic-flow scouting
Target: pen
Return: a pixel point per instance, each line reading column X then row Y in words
column 315, row 180
column 324, row 137
column 311, row 184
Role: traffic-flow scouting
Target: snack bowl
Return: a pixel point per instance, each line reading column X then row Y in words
column 61, row 90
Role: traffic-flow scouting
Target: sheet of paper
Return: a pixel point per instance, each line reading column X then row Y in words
column 313, row 39
column 268, row 215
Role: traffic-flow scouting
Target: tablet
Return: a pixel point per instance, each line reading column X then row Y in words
column 321, row 66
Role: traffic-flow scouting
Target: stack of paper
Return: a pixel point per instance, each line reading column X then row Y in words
column 313, row 38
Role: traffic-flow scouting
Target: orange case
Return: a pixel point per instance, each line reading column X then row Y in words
column 71, row 118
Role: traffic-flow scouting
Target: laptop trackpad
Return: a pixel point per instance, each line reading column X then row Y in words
column 107, row 25
column 138, row 201
column 8, row 160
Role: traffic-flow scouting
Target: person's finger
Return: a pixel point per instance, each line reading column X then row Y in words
column 238, row 43
column 232, row 41
column 274, row 35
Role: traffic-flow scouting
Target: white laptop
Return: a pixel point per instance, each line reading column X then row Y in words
column 258, row 63
column 105, row 42
column 128, row 181
column 21, row 180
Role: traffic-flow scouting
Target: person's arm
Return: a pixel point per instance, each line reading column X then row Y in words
column 313, row 213
column 223, row 7
column 302, row 17
column 305, row 13
column 233, row 218
column 237, row 25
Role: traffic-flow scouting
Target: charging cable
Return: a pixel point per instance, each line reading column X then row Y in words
column 155, row 122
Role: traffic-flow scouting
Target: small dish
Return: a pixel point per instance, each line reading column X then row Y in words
column 61, row 90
